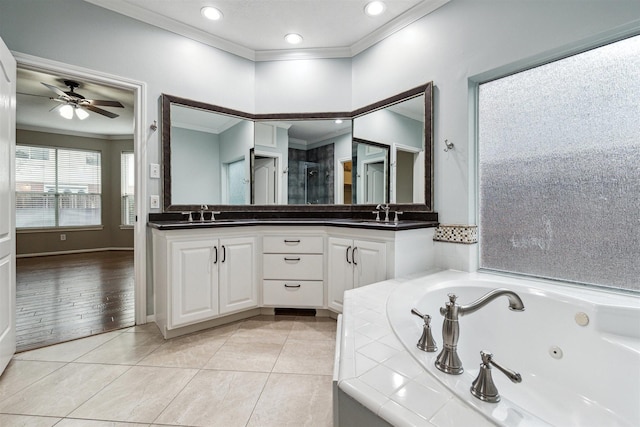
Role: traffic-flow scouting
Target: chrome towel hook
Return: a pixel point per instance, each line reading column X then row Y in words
column 448, row 145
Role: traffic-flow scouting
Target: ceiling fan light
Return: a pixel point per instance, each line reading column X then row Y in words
column 374, row 8
column 66, row 111
column 82, row 114
column 211, row 13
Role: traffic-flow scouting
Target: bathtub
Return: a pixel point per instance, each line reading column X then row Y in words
column 577, row 349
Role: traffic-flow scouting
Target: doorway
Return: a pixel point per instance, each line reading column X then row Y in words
column 265, row 180
column 374, row 182
column 126, row 262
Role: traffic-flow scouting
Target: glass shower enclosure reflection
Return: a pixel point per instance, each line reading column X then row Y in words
column 309, row 183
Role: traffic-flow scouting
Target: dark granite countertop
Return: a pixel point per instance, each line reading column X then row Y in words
column 333, row 222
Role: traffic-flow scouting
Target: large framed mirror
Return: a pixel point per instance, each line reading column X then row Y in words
column 231, row 160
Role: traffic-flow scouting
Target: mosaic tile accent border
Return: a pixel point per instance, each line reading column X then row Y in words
column 466, row 234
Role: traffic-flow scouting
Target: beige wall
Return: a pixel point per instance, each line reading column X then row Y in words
column 111, row 236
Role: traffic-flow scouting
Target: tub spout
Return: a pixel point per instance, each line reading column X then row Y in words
column 448, row 360
column 515, row 303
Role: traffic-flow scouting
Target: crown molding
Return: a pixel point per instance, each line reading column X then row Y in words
column 415, row 13
column 161, row 21
column 410, row 16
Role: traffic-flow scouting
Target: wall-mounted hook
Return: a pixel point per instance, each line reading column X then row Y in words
column 448, row 145
column 154, row 126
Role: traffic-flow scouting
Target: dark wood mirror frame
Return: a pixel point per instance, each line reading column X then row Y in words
column 426, row 89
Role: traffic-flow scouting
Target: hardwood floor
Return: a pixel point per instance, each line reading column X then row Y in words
column 64, row 297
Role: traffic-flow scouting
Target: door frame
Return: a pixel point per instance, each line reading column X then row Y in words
column 141, row 134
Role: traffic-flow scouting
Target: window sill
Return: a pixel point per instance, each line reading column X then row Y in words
column 58, row 229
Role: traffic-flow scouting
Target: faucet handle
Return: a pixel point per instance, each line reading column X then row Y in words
column 395, row 219
column 377, row 215
column 213, row 215
column 426, row 341
column 483, row 386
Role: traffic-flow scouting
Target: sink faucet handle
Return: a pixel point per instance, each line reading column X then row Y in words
column 377, row 215
column 426, row 341
column 483, row 386
column 395, row 218
column 213, row 215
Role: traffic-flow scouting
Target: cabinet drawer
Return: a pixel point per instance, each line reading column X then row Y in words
column 293, row 293
column 292, row 244
column 292, row 266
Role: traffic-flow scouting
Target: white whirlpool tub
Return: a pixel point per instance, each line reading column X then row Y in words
column 577, row 349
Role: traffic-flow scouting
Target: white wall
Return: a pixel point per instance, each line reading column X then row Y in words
column 303, row 86
column 466, row 38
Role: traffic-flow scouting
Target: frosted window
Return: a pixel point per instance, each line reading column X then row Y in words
column 559, row 149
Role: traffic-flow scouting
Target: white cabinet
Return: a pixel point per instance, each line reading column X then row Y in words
column 237, row 270
column 194, row 294
column 353, row 263
column 292, row 271
column 200, row 276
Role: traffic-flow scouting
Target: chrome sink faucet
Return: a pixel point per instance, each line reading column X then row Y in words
column 448, row 360
column 385, row 208
column 202, row 209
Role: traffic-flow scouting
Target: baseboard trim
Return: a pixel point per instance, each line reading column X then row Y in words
column 75, row 251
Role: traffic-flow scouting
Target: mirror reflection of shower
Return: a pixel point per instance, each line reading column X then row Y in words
column 310, row 177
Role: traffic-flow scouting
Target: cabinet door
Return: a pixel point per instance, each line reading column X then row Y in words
column 340, row 275
column 194, row 280
column 238, row 284
column 370, row 262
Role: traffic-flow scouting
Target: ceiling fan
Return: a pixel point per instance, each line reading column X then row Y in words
column 72, row 101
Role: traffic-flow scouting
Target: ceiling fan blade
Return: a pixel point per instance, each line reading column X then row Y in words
column 104, row 103
column 32, row 94
column 101, row 111
column 56, row 90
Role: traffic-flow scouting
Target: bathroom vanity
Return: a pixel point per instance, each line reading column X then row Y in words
column 208, row 273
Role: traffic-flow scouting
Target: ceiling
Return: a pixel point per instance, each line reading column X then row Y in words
column 255, row 29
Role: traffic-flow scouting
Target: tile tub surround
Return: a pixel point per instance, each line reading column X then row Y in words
column 466, row 234
column 376, row 370
column 240, row 374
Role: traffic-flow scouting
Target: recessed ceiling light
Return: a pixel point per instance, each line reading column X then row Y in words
column 211, row 13
column 293, row 38
column 338, row 121
column 374, row 8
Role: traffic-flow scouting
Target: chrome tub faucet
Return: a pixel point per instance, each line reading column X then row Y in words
column 448, row 360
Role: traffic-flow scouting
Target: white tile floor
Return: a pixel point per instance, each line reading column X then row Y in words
column 263, row 371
